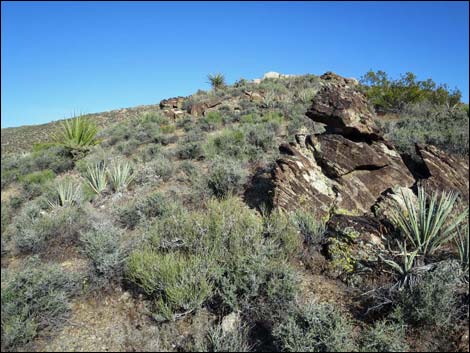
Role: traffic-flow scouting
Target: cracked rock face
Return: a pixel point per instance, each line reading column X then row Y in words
column 446, row 172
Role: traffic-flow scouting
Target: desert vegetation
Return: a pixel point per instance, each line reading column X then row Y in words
column 160, row 232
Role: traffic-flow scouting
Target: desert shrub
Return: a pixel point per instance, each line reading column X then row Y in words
column 35, row 298
column 40, row 177
column 424, row 123
column 227, row 143
column 236, row 340
column 433, row 301
column 212, row 121
column 262, row 136
column 190, row 150
column 390, row 95
column 315, row 328
column 33, row 228
column 102, row 245
column 385, row 336
column 279, row 228
column 226, row 177
column 153, row 205
column 6, row 213
column 311, row 229
column 178, row 283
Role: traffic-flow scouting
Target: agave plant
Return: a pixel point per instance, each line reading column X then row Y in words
column 462, row 243
column 216, row 80
column 120, row 174
column 77, row 133
column 428, row 223
column 67, row 193
column 97, row 177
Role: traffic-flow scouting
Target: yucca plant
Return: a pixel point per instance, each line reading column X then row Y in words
column 405, row 268
column 120, row 174
column 77, row 133
column 97, row 177
column 428, row 223
column 462, row 243
column 68, row 193
column 217, row 81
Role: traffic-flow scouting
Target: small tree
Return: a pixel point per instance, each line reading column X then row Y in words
column 217, row 81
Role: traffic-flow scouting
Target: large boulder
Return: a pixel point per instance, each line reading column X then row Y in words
column 343, row 108
column 170, row 103
column 199, row 109
column 445, row 172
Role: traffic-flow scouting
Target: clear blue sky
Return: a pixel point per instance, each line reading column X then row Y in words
column 58, row 58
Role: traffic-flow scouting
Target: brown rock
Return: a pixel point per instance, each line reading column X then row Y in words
column 344, row 109
column 446, row 172
column 176, row 102
column 199, row 109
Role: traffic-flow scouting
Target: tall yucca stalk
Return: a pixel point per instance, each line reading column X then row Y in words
column 68, row 193
column 97, row 177
column 462, row 242
column 427, row 224
column 120, row 175
column 77, row 133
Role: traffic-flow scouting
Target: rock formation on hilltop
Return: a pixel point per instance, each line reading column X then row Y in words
column 349, row 167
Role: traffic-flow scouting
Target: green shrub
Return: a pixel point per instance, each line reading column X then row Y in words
column 433, row 301
column 211, row 121
column 190, row 150
column 236, row 340
column 311, row 229
column 227, row 143
column 384, row 336
column 279, row 228
column 178, row 283
column 103, row 248
column 226, row 177
column 34, row 298
column 33, row 228
column 315, row 328
column 40, row 177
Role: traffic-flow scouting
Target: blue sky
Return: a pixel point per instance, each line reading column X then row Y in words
column 59, row 58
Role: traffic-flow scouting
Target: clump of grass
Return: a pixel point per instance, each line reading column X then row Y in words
column 462, row 242
column 428, row 224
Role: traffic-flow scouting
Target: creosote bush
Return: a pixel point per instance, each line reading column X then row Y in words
column 35, row 298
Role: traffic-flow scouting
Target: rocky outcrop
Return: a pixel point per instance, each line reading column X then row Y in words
column 199, row 109
column 350, row 168
column 344, row 109
column 445, row 172
column 170, row 103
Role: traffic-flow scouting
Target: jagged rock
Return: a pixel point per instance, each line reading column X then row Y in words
column 326, row 172
column 344, row 109
column 391, row 199
column 175, row 102
column 199, row 109
column 445, row 172
column 299, row 182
